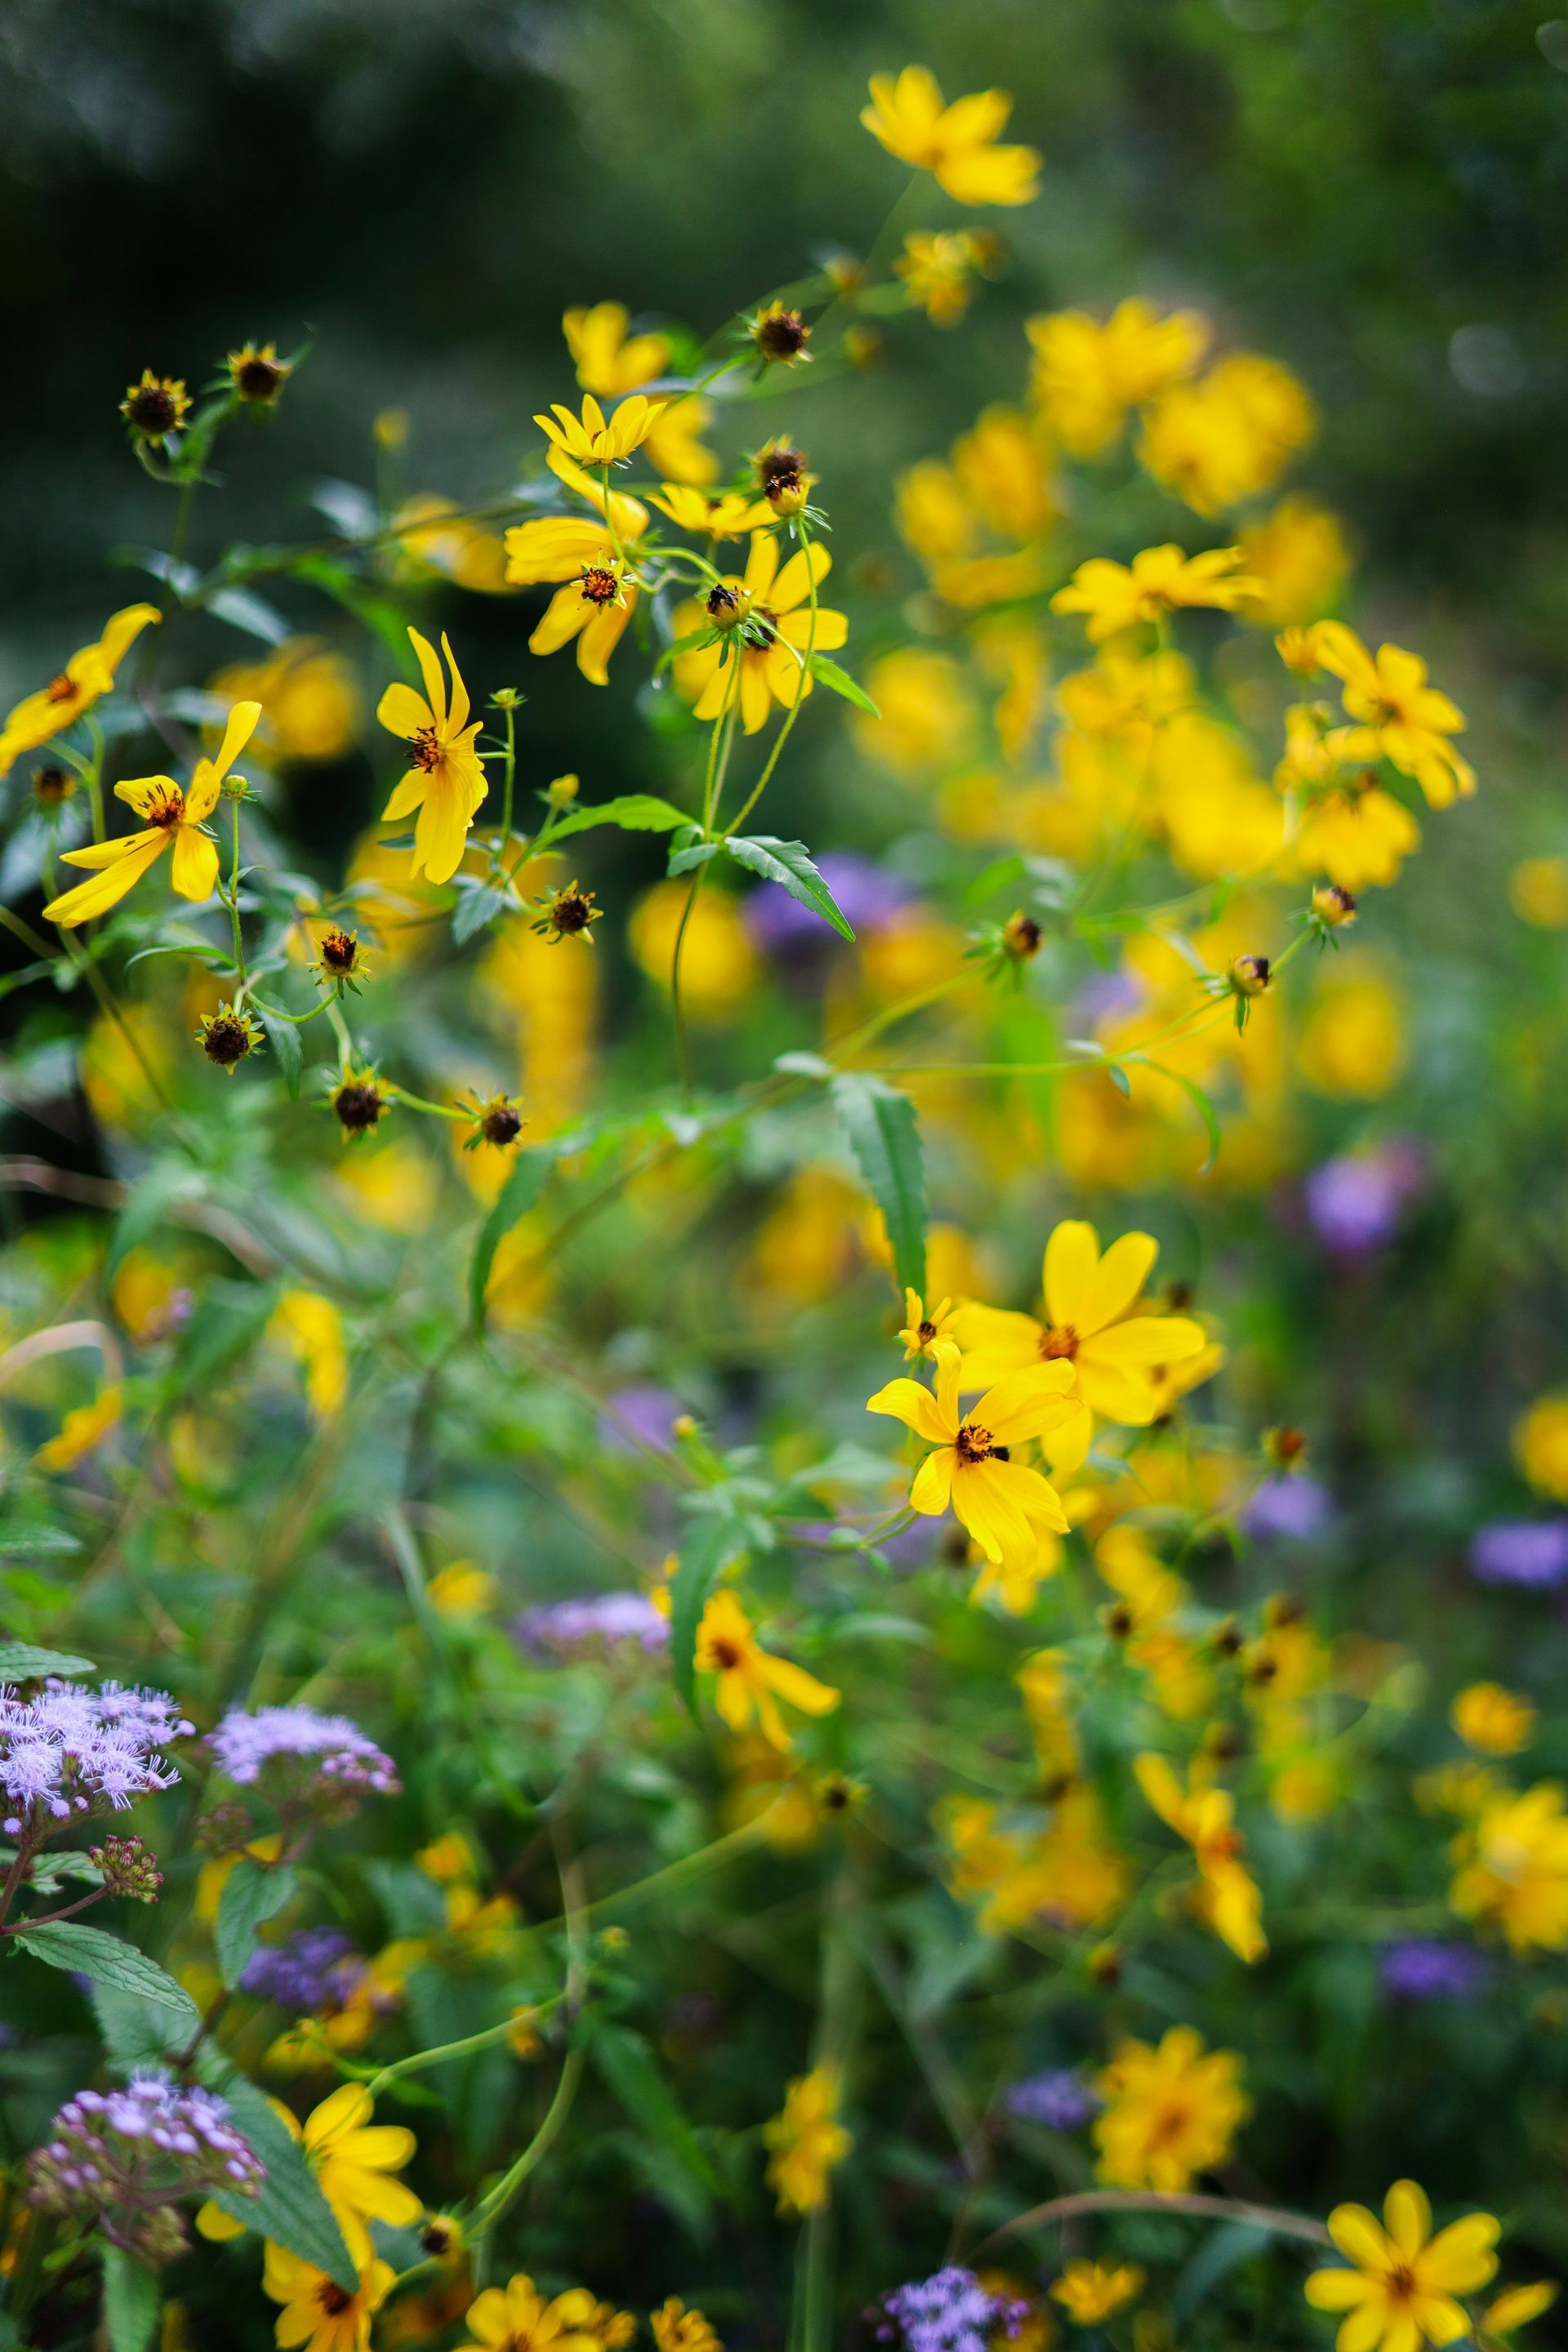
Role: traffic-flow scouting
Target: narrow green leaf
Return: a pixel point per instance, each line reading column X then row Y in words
column 516, row 1197
column 695, row 852
column 251, row 1895
column 107, row 1959
column 708, row 1546
column 243, row 609
column 21, row 1663
column 885, row 1136
column 289, row 1050
column 842, row 683
column 1119, row 1079
column 789, row 863
column 1199, row 1100
column 290, row 2208
column 633, row 2073
column 132, row 2302
column 633, row 811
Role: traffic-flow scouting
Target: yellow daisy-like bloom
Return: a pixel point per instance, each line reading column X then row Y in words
column 1001, row 1502
column 939, row 268
column 317, row 2313
column 311, row 1329
column 1171, row 2113
column 1356, row 834
column 677, row 2329
column 806, row 2141
column 351, row 2159
column 517, row 2318
column 1401, row 2289
column 776, row 672
column 85, row 1427
column 446, row 781
column 923, row 1330
column 591, row 439
column 1513, row 1868
column 956, row 143
column 591, row 553
column 1400, row 718
column 1087, row 374
column 173, row 820
column 610, row 361
column 1540, row 1442
column 86, row 678
column 1092, row 1326
column 1231, row 1903
column 728, row 515
column 1089, row 2292
column 1496, row 1721
column 752, row 1681
column 1116, row 596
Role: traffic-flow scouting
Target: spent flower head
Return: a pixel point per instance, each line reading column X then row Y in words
column 156, row 407
column 227, row 1037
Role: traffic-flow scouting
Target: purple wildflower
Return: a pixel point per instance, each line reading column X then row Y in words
column 642, row 1410
column 1533, row 1552
column 311, row 1971
column 71, row 1752
column 122, row 2158
column 1354, row 1202
column 1056, row 2099
column 1422, row 1969
column 950, row 2311
column 564, row 1629
column 323, row 1761
column 867, row 895
column 1295, row 1508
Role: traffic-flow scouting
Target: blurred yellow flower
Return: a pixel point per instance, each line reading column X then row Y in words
column 1231, row 1903
column 1087, row 375
column 719, row 964
column 1353, row 1045
column 1517, row 2306
column 84, row 1427
column 752, row 1680
column 462, row 1589
column 434, row 535
column 1400, row 2289
column 956, row 143
column 927, row 711
column 1299, row 557
column 1538, row 892
column 309, row 695
column 85, row 679
column 1513, row 1868
column 923, row 1327
column 610, row 361
column 1495, row 1721
column 311, row 1327
column 1229, row 436
column 677, row 2329
column 725, row 514
column 1092, row 2292
column 1066, row 1875
column 517, row 2318
column 1171, row 2112
column 939, row 268
column 1116, row 596
column 806, row 2142
column 1541, row 1445
column 1399, row 716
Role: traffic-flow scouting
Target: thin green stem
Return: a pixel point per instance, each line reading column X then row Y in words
column 801, row 688
column 421, row 2059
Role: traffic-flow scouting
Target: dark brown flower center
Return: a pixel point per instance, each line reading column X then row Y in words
column 925, row 1333
column 424, row 749
column 358, row 1105
column 333, row 2299
column 503, row 1123
column 570, row 912
column 600, row 585
column 781, row 334
column 167, row 809
column 726, row 1657
column 61, row 689
column 340, row 951
column 975, row 1443
column 225, row 1040
column 256, row 378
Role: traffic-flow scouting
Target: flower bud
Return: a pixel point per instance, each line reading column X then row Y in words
column 257, row 375
column 781, row 335
column 157, row 405
column 561, row 791
column 52, row 785
column 724, row 607
column 128, row 1869
column 358, row 1105
column 1021, row 936
column 226, row 1037
column 1333, row 905
column 1248, row 975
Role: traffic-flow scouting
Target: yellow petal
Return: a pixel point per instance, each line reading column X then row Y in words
column 1072, row 1253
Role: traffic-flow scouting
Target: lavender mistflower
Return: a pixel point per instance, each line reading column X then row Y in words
column 1354, row 1203
column 1422, row 1969
column 1297, row 1508
column 642, row 1410
column 1056, row 2099
column 322, row 1763
column 950, row 2311
column 313, row 1970
column 123, row 2159
column 71, row 1752
column 1530, row 1552
column 566, row 1629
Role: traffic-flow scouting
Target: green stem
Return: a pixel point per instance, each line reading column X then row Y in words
column 417, row 1102
column 490, row 2212
column 511, row 776
column 793, row 713
column 1151, row 2201
column 233, row 898
column 486, row 2040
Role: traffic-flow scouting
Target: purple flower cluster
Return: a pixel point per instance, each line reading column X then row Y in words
column 567, row 1629
column 1295, row 1508
column 124, row 2157
column 642, row 1410
column 950, row 2311
column 310, row 1973
column 1530, row 1552
column 71, row 1751
column 1354, row 1203
column 300, row 1758
column 867, row 897
column 1420, row 1970
column 1055, row 2099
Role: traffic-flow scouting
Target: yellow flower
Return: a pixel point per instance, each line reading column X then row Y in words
column 590, row 440
column 677, row 2329
column 939, row 268
column 449, row 1860
column 1067, row 1875
column 592, row 555
column 1161, row 580
column 85, row 1427
column 1215, row 443
column 1495, row 1721
column 311, row 1329
column 86, row 678
column 318, row 2314
column 921, row 1331
column 1350, row 829
column 1515, row 2307
column 1513, row 1870
column 1231, row 1902
column 611, row 361
column 310, row 698
column 1400, row 718
column 351, row 2159
column 1353, row 1045
column 752, row 1681
column 1091, row 1325
column 1299, row 556
column 517, row 2318
column 909, row 115
column 1541, row 1445
column 776, row 599
column 1087, row 375
column 727, row 514
column 1401, row 2288
column 174, row 819
column 446, row 781
column 435, row 536
column 462, row 1589
column 806, row 2141
column 1171, row 2113
column 1537, row 893
column 719, row 966
column 998, row 1499
column 1090, row 2291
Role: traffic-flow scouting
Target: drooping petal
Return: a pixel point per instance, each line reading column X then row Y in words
column 561, row 618
column 1065, row 1446
column 1366, row 2327
column 916, row 1407
column 1439, row 2318
column 106, row 889
column 430, row 671
column 402, row 712
column 238, row 729
column 792, row 585
column 457, row 718
column 1026, row 1403
column 756, row 695
column 193, row 873
column 981, row 1501
column 407, row 795
column 1116, row 1281
column 442, row 833
column 932, row 1488
column 1150, row 1339
column 762, row 564
column 601, row 634
column 797, row 1688
column 1072, row 1253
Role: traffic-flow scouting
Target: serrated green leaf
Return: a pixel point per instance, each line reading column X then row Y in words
column 251, row 1895
column 290, row 2208
column 789, row 863
column 696, row 852
column 516, row 1197
column 884, row 1136
column 633, row 811
column 107, row 1959
column 709, row 1545
column 20, row 1662
column 136, row 2032
column 289, row 1050
column 132, row 2302
column 842, row 683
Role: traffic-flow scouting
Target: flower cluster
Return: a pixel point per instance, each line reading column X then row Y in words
column 302, row 1762
column 69, row 1753
column 122, row 2159
column 949, row 2312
